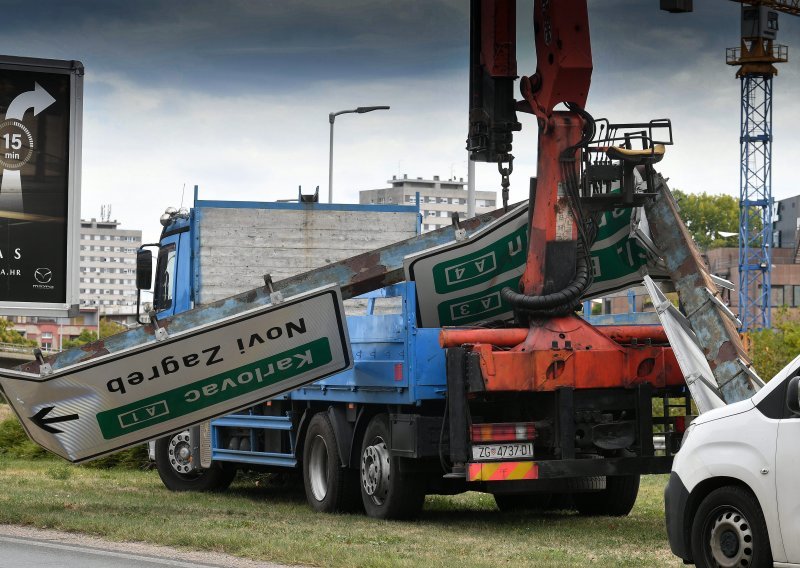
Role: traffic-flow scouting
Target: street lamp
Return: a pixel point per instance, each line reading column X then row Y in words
column 331, row 118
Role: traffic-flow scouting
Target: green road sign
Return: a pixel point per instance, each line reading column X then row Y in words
column 483, row 306
column 505, row 254
column 460, row 283
column 221, row 388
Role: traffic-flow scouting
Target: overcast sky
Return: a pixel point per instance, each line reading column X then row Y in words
column 234, row 95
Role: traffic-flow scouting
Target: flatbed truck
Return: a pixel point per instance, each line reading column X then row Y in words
column 410, row 418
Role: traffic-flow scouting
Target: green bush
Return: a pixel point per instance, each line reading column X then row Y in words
column 14, row 442
column 773, row 349
column 132, row 458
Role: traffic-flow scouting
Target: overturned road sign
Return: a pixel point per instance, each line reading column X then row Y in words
column 83, row 411
column 459, row 283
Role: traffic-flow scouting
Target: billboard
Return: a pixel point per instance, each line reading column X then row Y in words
column 41, row 104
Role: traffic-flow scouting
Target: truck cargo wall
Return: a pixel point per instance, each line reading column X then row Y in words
column 237, row 246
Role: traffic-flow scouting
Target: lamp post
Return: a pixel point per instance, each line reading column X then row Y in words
column 331, row 118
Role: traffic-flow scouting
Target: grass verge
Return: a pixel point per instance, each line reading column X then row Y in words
column 267, row 522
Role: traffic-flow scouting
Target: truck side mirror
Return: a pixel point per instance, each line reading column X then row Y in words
column 144, row 269
column 793, row 395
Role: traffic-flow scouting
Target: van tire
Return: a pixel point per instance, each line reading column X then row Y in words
column 170, row 458
column 729, row 523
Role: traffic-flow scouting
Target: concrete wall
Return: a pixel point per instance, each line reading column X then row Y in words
column 239, row 246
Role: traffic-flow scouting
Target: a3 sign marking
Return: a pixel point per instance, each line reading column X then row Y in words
column 44, row 423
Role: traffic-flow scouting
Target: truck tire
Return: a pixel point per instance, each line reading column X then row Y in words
column 330, row 488
column 517, row 502
column 729, row 530
column 616, row 500
column 173, row 462
column 387, row 493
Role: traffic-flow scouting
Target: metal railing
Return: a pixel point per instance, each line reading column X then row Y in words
column 775, row 53
column 28, row 349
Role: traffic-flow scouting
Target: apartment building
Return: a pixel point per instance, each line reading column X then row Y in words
column 107, row 286
column 108, row 269
column 438, row 199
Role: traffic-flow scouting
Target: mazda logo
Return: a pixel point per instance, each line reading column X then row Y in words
column 43, row 275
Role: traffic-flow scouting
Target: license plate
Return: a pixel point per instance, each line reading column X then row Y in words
column 502, row 451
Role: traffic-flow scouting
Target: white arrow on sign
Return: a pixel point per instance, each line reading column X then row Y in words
column 38, row 99
column 112, row 402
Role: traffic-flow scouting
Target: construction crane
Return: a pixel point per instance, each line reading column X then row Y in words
column 756, row 57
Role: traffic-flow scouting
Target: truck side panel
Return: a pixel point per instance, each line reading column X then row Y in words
column 394, row 362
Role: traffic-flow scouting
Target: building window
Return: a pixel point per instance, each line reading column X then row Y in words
column 796, row 290
column 777, row 296
column 47, row 335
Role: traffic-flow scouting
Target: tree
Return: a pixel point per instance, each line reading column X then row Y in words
column 86, row 336
column 706, row 216
column 107, row 329
column 9, row 335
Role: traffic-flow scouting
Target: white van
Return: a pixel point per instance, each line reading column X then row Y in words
column 733, row 497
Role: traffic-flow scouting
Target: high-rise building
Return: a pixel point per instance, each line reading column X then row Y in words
column 107, row 286
column 438, row 199
column 108, row 269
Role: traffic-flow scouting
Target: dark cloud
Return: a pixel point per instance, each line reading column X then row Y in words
column 250, row 45
column 244, row 44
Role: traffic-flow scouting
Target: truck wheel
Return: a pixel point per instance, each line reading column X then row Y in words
column 729, row 530
column 174, row 460
column 329, row 487
column 386, row 492
column 616, row 500
column 511, row 502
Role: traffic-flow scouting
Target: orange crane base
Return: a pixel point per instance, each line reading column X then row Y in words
column 569, row 352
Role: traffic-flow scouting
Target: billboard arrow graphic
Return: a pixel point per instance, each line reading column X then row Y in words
column 44, row 423
column 38, row 99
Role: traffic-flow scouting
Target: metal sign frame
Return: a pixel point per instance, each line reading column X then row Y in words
column 69, row 307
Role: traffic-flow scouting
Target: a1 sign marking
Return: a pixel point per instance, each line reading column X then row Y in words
column 471, row 270
column 147, row 391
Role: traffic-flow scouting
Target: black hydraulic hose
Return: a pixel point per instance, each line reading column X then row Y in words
column 565, row 298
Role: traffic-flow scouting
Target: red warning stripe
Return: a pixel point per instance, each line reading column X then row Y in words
column 502, row 471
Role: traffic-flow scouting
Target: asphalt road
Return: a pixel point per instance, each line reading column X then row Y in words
column 22, row 547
